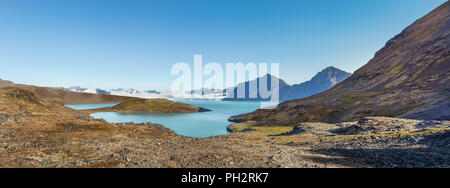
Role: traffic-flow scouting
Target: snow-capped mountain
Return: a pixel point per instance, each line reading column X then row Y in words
column 89, row 90
column 208, row 93
column 133, row 91
column 121, row 92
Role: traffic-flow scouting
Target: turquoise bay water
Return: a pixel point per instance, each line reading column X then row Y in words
column 202, row 124
column 89, row 106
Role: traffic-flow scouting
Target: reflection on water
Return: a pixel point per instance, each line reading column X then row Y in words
column 202, row 124
column 89, row 106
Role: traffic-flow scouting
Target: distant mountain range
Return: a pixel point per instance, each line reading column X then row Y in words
column 207, row 91
column 118, row 92
column 322, row 81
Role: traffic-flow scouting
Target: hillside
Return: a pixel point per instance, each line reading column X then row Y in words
column 20, row 101
column 322, row 81
column 407, row 78
column 65, row 96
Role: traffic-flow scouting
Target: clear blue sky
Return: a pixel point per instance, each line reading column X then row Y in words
column 132, row 43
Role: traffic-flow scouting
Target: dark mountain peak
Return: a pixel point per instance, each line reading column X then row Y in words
column 331, row 69
column 330, row 75
column 324, row 80
column 269, row 78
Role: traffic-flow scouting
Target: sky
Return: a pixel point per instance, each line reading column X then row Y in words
column 134, row 43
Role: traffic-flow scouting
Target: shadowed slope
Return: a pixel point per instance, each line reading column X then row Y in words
column 409, row 78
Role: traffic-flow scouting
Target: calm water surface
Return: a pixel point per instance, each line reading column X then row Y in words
column 202, row 124
column 89, row 106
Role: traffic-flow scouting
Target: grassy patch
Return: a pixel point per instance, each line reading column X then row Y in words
column 248, row 127
column 274, row 130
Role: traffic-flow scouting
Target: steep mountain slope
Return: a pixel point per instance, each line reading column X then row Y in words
column 409, row 78
column 322, row 81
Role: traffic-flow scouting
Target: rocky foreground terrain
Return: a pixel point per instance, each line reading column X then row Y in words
column 37, row 133
column 370, row 142
column 408, row 78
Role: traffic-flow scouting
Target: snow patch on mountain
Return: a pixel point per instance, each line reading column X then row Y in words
column 129, row 92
